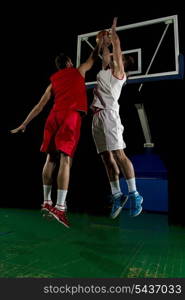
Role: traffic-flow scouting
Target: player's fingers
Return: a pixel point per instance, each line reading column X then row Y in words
column 13, row 131
column 115, row 21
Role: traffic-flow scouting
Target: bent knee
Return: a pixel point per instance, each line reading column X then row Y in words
column 119, row 155
column 107, row 158
column 65, row 159
column 109, row 162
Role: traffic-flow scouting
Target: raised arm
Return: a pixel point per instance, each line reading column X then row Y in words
column 106, row 60
column 86, row 66
column 35, row 111
column 117, row 55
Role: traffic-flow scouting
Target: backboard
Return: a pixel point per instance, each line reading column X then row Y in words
column 154, row 45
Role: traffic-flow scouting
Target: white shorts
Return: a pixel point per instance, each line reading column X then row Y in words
column 107, row 131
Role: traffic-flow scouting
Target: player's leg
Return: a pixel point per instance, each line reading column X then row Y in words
column 118, row 199
column 63, row 180
column 47, row 174
column 126, row 167
column 112, row 170
column 59, row 211
column 66, row 141
column 127, row 170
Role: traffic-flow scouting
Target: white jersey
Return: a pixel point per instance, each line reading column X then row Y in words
column 107, row 91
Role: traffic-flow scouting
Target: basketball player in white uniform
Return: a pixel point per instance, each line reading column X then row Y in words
column 107, row 128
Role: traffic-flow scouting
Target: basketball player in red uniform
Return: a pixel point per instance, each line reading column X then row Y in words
column 62, row 127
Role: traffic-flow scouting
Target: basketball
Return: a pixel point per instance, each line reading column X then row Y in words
column 103, row 33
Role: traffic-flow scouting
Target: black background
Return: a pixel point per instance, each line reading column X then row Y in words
column 31, row 37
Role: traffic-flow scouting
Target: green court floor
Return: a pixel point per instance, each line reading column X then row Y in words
column 94, row 246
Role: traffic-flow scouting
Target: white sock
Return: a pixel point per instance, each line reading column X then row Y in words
column 47, row 193
column 61, row 199
column 131, row 185
column 115, row 187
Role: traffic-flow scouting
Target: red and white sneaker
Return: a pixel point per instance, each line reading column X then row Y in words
column 46, row 208
column 60, row 216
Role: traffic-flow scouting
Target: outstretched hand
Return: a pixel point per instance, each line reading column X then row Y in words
column 112, row 32
column 114, row 23
column 21, row 128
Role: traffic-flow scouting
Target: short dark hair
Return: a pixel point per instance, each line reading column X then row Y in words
column 128, row 63
column 61, row 61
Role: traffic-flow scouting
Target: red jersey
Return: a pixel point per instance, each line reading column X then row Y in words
column 69, row 90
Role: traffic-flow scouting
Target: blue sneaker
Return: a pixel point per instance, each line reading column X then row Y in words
column 135, row 204
column 118, row 203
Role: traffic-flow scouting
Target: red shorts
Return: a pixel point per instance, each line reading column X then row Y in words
column 62, row 132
